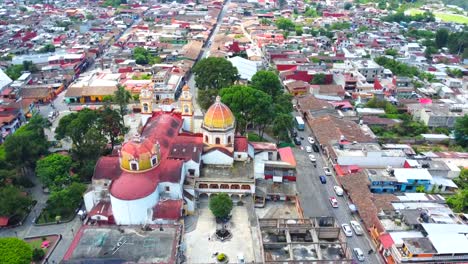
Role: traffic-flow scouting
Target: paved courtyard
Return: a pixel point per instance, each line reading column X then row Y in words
column 200, row 249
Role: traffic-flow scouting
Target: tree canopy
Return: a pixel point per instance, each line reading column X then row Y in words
column 122, row 97
column 211, row 75
column 459, row 201
column 441, row 37
column 27, row 144
column 461, row 131
column 15, row 71
column 319, row 78
column 54, row 170
column 14, row 251
column 49, row 47
column 65, row 201
column 220, row 205
column 143, row 57
column 285, row 24
column 268, row 82
column 397, row 68
column 110, row 125
column 13, row 201
column 246, row 103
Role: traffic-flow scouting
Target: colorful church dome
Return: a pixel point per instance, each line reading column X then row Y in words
column 218, row 116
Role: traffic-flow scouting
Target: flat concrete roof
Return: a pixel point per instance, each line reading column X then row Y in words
column 124, row 244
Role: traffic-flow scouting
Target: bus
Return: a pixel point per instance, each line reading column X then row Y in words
column 300, row 123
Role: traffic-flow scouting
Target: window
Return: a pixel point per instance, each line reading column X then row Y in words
column 133, row 165
column 229, row 140
column 206, row 139
column 154, row 160
column 167, row 188
column 191, row 172
column 145, row 107
column 239, row 156
column 186, row 108
column 218, row 140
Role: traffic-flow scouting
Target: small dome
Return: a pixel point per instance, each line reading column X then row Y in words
column 218, row 116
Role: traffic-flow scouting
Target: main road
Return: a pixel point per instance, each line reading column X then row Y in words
column 314, row 196
column 205, row 52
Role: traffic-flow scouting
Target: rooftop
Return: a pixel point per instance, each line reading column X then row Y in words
column 240, row 171
column 126, row 244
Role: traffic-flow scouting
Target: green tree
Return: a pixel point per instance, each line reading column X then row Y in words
column 268, row 82
column 246, row 103
column 122, row 97
column 462, row 179
column 459, row 201
column 38, row 254
column 49, row 47
column 220, row 205
column 461, row 131
column 65, row 201
column 441, row 38
column 14, row 251
column 282, row 124
column 109, row 122
column 54, row 170
column 319, row 78
column 285, row 24
column 299, row 30
column 13, row 201
column 265, row 22
column 348, row 6
column 27, row 144
column 391, row 52
column 14, row 71
column 212, row 74
column 143, row 57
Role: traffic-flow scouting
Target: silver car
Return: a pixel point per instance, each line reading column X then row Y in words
column 359, row 254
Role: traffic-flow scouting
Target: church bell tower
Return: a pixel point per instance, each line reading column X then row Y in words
column 186, row 107
column 146, row 101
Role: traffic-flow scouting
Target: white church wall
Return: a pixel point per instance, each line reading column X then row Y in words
column 134, row 212
column 170, row 190
column 217, row 157
column 89, row 200
column 240, row 156
column 192, row 165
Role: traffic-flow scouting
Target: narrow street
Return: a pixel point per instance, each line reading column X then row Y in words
column 314, row 196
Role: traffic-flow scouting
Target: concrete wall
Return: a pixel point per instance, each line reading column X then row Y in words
column 217, row 158
column 372, row 161
column 134, row 212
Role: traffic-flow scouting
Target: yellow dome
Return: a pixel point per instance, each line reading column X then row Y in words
column 218, row 116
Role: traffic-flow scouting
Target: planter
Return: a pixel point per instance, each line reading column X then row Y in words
column 225, row 258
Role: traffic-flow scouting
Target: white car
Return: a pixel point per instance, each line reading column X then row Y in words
column 359, row 254
column 338, row 190
column 333, row 202
column 327, row 171
column 311, row 140
column 357, row 228
column 347, row 230
column 312, row 158
column 309, row 149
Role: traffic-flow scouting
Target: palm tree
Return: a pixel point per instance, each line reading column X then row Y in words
column 122, row 98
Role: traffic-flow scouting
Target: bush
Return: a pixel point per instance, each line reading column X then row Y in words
column 38, row 254
column 221, row 257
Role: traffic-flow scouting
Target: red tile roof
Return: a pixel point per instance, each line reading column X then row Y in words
column 187, row 148
column 240, row 144
column 4, row 220
column 263, row 146
column 169, row 209
column 287, row 155
column 107, row 168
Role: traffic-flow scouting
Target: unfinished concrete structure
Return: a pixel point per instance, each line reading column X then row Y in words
column 313, row 240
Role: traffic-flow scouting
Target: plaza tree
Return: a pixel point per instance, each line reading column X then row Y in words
column 27, row 144
column 65, row 201
column 246, row 103
column 14, row 251
column 461, row 131
column 211, row 75
column 13, row 202
column 268, row 82
column 220, row 205
column 54, row 170
column 122, row 97
column 110, row 125
column 282, row 124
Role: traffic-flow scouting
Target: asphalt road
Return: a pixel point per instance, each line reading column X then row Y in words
column 205, row 52
column 314, row 196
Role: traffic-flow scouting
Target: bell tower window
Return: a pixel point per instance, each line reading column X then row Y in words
column 218, row 141
column 229, row 139
column 186, row 109
column 154, row 161
column 134, row 165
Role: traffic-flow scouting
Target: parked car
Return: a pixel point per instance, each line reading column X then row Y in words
column 312, row 158
column 294, row 133
column 327, row 171
column 359, row 254
column 311, row 140
column 357, row 228
column 308, row 149
column 333, row 202
column 338, row 190
column 297, row 141
column 315, row 148
column 347, row 230
column 323, row 179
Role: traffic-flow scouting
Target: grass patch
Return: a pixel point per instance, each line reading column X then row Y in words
column 255, row 137
column 446, row 17
column 47, row 217
column 286, row 144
